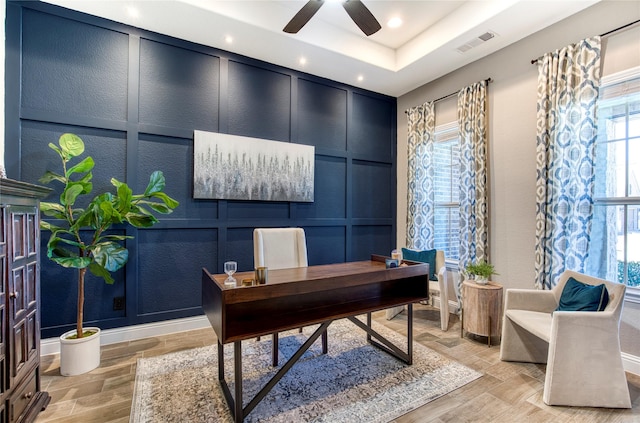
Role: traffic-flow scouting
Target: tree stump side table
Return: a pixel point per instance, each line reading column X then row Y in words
column 481, row 309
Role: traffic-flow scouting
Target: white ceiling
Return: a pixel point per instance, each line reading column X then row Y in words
column 391, row 61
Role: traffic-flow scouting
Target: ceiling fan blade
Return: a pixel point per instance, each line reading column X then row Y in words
column 362, row 16
column 302, row 17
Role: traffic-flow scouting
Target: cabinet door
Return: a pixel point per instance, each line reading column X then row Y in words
column 3, row 307
column 22, row 286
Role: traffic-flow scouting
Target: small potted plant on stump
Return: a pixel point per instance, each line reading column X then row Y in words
column 79, row 237
column 481, row 271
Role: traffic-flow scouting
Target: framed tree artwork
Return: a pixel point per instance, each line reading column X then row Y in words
column 234, row 167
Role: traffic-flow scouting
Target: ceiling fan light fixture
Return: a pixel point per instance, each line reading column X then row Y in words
column 362, row 16
column 394, row 22
column 303, row 16
column 354, row 8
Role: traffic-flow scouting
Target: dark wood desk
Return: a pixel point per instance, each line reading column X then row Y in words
column 304, row 296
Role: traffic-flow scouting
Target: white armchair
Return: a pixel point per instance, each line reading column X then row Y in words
column 441, row 286
column 581, row 348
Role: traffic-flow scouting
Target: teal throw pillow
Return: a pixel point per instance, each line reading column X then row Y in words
column 578, row 296
column 427, row 256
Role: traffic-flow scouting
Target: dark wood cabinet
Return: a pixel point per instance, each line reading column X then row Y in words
column 21, row 398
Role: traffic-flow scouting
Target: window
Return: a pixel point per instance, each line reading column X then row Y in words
column 614, row 250
column 446, row 158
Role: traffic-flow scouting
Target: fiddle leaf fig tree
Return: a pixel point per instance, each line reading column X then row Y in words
column 79, row 236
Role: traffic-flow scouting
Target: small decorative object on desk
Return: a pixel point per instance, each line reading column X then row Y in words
column 230, row 267
column 391, row 263
column 396, row 254
column 481, row 271
column 262, row 275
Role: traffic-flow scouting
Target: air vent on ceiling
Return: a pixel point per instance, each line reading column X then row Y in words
column 476, row 41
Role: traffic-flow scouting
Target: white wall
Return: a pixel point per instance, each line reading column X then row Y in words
column 512, row 135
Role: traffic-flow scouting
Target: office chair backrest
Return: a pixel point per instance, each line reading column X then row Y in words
column 279, row 248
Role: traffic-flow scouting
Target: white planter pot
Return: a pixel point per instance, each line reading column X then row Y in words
column 78, row 356
column 480, row 280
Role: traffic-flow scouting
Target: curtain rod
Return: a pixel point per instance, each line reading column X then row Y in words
column 534, row 61
column 488, row 80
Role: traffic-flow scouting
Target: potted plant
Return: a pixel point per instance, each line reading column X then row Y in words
column 481, row 271
column 80, row 239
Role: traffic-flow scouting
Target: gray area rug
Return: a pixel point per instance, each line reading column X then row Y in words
column 354, row 382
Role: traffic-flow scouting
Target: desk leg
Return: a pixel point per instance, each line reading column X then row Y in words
column 283, row 370
column 382, row 343
column 410, row 333
column 220, row 361
column 325, row 342
column 223, row 383
column 274, row 349
column 237, row 363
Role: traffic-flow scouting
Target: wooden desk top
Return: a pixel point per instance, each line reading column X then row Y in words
column 304, row 280
column 307, row 295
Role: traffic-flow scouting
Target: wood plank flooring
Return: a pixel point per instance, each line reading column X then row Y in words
column 508, row 392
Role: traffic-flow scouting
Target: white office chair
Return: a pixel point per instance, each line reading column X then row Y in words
column 440, row 286
column 281, row 248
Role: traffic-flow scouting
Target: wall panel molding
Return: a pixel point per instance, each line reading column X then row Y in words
column 139, row 97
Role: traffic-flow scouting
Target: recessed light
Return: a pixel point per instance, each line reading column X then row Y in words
column 228, row 39
column 302, row 61
column 360, row 78
column 394, row 22
column 132, row 12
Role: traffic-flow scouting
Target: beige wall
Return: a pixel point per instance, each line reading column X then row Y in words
column 512, row 135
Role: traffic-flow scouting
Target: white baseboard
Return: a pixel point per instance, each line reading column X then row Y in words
column 631, row 363
column 130, row 333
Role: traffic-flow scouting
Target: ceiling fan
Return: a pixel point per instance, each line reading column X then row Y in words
column 355, row 8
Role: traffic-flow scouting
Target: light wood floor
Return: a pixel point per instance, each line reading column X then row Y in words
column 508, row 392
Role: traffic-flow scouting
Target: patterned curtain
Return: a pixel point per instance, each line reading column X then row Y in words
column 420, row 193
column 568, row 85
column 474, row 214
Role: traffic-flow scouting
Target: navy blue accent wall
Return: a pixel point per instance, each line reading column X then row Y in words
column 135, row 98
